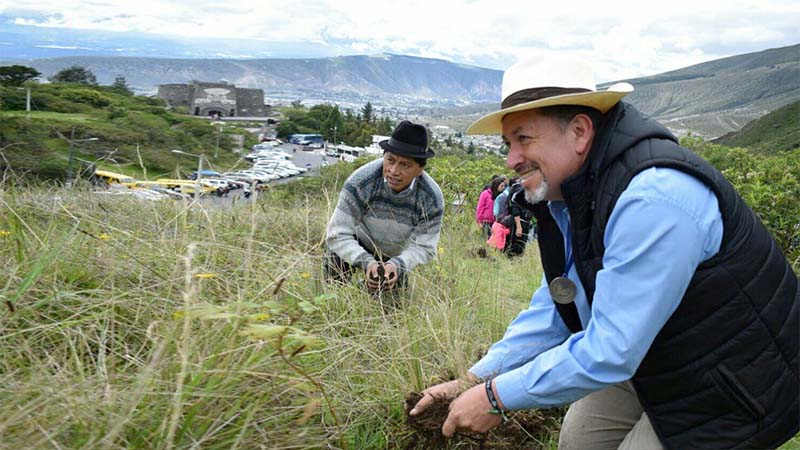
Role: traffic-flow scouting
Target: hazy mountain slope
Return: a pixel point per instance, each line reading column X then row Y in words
column 720, row 96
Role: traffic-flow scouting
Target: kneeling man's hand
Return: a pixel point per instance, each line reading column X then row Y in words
column 390, row 272
column 373, row 278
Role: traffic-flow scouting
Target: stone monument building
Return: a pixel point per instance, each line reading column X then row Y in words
column 215, row 99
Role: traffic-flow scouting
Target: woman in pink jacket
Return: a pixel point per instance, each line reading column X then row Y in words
column 484, row 213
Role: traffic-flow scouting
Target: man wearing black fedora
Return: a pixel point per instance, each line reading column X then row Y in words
column 667, row 316
column 389, row 214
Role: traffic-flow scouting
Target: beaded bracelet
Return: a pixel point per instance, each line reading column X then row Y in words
column 493, row 401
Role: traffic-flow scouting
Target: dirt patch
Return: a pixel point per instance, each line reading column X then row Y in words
column 526, row 429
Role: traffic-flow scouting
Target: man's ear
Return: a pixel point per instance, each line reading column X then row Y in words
column 581, row 132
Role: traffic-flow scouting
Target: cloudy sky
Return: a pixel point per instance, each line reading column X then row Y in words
column 624, row 39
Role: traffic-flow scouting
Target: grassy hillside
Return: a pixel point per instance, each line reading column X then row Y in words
column 134, row 134
column 146, row 326
column 778, row 130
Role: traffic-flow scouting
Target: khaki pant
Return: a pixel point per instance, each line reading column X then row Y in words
column 611, row 419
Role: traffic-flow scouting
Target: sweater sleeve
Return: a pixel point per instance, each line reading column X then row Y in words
column 341, row 233
column 425, row 240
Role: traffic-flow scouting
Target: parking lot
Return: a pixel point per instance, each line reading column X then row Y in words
column 312, row 160
column 269, row 164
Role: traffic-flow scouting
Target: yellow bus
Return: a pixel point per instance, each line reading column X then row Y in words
column 187, row 186
column 112, row 177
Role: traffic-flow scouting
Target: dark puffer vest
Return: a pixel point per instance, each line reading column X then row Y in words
column 723, row 371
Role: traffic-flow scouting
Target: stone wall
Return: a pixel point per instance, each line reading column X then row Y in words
column 175, row 94
column 251, row 103
column 223, row 99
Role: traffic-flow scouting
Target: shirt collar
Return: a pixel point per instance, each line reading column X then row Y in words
column 404, row 191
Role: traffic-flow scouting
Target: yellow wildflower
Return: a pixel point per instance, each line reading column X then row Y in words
column 5, row 233
column 204, row 275
column 103, row 237
column 305, row 275
column 260, row 316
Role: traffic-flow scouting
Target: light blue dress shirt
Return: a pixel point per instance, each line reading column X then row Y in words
column 663, row 226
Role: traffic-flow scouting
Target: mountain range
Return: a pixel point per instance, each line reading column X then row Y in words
column 380, row 75
column 708, row 99
column 720, row 96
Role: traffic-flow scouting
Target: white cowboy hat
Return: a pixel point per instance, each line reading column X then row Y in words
column 548, row 81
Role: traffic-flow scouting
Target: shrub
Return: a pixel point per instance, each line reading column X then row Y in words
column 116, row 112
column 11, row 98
column 87, row 96
column 769, row 184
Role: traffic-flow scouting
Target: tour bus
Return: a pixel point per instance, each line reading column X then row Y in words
column 186, row 186
column 107, row 177
column 306, row 139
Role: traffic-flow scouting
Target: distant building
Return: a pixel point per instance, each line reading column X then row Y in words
column 375, row 148
column 215, row 99
column 376, row 139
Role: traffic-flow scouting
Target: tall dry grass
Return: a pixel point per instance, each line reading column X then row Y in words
column 130, row 324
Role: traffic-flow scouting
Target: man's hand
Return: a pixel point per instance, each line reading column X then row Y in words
column 446, row 390
column 390, row 272
column 519, row 232
column 470, row 412
column 374, row 279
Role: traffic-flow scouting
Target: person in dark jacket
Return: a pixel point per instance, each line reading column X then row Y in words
column 667, row 315
column 521, row 213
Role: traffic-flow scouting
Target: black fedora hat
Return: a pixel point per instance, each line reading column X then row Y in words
column 408, row 139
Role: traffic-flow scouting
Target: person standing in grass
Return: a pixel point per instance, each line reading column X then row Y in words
column 667, row 315
column 484, row 210
column 521, row 213
column 501, row 206
column 389, row 214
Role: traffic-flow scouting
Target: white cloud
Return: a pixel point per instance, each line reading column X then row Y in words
column 625, row 38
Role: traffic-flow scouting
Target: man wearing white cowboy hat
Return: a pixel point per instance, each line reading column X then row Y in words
column 389, row 214
column 667, row 316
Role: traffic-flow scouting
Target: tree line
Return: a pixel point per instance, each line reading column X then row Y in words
column 335, row 125
column 17, row 75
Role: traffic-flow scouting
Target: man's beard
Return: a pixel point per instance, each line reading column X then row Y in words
column 539, row 194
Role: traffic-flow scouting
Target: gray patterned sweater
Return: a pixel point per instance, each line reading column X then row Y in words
column 402, row 226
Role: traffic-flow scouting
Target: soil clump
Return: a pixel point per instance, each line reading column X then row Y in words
column 528, row 429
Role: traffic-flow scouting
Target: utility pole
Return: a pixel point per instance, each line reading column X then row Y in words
column 28, row 103
column 216, row 148
column 199, row 171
